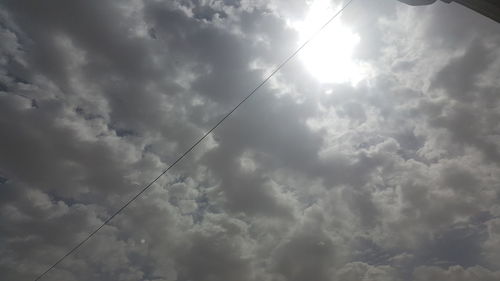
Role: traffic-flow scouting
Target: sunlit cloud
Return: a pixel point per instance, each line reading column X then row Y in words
column 329, row 57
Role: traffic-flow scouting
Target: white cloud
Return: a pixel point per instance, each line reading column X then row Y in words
column 394, row 179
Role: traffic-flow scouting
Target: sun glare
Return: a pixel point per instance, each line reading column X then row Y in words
column 329, row 56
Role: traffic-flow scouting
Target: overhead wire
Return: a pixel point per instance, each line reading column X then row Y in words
column 278, row 68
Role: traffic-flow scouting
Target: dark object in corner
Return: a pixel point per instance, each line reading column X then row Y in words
column 488, row 8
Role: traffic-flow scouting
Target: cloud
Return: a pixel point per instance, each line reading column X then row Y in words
column 455, row 273
column 394, row 178
column 362, row 271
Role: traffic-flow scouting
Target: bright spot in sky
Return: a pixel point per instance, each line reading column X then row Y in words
column 329, row 56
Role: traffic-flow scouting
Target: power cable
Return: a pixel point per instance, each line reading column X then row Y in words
column 196, row 143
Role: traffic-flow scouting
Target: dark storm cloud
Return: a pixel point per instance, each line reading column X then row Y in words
column 395, row 178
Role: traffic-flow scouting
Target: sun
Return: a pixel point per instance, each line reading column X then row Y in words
column 329, row 57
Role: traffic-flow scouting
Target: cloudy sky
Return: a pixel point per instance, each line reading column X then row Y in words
column 373, row 155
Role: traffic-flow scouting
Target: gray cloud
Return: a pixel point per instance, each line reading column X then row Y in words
column 394, row 178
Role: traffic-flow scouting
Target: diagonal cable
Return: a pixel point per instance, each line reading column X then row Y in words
column 278, row 68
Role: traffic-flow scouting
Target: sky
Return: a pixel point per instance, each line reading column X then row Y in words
column 373, row 155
